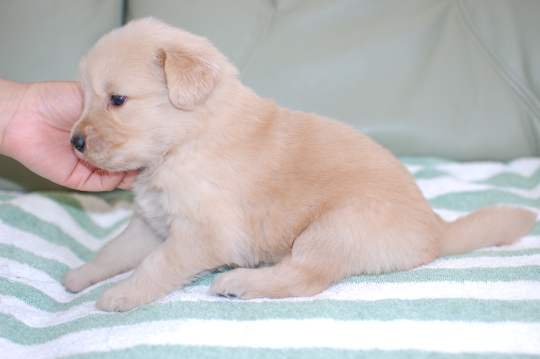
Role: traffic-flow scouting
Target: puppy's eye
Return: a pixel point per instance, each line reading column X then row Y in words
column 117, row 100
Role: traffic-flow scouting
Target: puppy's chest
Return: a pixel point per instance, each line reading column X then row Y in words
column 187, row 201
column 149, row 206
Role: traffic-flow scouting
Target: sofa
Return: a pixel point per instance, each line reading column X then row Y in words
column 451, row 87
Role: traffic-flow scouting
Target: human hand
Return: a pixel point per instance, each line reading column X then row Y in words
column 35, row 125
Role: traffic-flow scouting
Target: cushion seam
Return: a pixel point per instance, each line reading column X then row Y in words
column 258, row 37
column 507, row 75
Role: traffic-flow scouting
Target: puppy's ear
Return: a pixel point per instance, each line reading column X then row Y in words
column 189, row 78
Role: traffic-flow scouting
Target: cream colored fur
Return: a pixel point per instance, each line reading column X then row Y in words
column 295, row 201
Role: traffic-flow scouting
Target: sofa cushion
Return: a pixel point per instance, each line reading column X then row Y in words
column 433, row 77
column 45, row 40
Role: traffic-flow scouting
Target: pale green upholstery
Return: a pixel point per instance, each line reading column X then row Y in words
column 451, row 78
column 459, row 79
column 45, row 40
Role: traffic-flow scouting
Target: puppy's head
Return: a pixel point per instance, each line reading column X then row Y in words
column 143, row 86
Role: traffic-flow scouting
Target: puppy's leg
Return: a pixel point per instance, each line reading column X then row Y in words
column 346, row 242
column 288, row 278
column 308, row 270
column 170, row 266
column 121, row 254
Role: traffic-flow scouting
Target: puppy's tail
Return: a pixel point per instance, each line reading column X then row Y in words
column 490, row 226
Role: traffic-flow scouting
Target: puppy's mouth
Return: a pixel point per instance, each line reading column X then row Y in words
column 97, row 153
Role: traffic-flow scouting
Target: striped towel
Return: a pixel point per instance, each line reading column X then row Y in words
column 484, row 304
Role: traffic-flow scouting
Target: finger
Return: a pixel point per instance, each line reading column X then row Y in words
column 128, row 179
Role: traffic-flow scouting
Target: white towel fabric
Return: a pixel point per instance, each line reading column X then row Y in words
column 484, row 304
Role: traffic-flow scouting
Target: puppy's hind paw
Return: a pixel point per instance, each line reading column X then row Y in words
column 234, row 284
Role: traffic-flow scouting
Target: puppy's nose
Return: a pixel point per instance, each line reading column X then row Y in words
column 77, row 141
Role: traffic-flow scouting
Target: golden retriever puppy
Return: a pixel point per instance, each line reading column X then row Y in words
column 293, row 201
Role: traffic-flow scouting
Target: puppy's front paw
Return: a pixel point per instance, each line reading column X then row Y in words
column 79, row 278
column 120, row 297
column 129, row 294
column 235, row 284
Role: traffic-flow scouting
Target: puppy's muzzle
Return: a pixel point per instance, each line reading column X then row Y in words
column 77, row 141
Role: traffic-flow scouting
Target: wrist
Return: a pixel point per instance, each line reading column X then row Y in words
column 11, row 99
